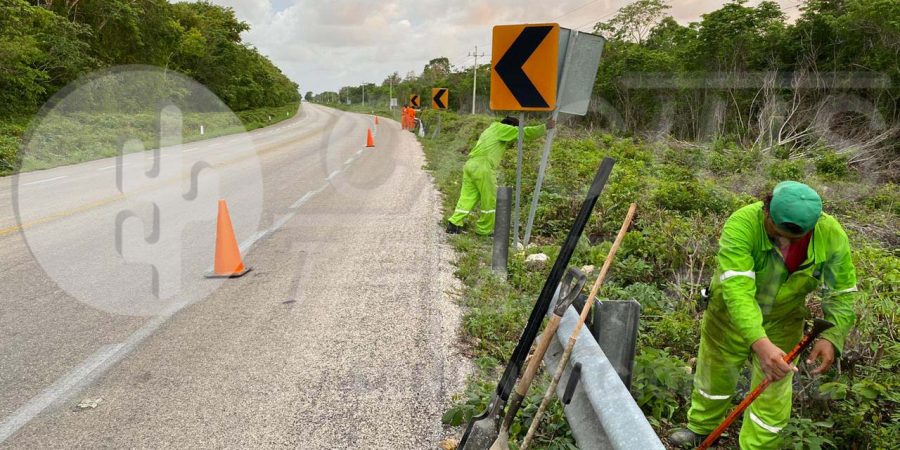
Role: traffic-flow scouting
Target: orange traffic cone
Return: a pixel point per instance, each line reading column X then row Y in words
column 228, row 262
column 370, row 141
column 376, row 120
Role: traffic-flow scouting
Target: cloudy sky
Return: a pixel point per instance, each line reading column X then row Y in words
column 326, row 44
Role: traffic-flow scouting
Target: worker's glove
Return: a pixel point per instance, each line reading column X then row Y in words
column 551, row 124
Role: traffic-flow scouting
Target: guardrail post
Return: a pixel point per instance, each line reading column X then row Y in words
column 500, row 254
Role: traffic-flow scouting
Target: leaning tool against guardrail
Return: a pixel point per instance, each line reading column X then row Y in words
column 574, row 337
column 569, row 290
column 482, row 429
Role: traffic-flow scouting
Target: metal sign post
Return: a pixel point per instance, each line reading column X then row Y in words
column 579, row 66
column 517, row 211
column 548, row 144
column 437, row 127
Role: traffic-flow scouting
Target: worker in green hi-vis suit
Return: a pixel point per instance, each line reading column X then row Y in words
column 479, row 181
column 772, row 254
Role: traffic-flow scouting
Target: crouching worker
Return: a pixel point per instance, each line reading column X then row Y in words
column 479, row 183
column 772, row 254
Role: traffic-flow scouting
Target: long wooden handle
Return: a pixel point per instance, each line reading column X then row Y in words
column 538, row 356
column 530, row 371
column 606, row 265
column 574, row 337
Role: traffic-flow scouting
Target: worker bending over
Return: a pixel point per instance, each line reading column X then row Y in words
column 479, row 183
column 772, row 254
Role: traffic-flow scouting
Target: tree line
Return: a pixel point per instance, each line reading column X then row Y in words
column 744, row 73
column 47, row 44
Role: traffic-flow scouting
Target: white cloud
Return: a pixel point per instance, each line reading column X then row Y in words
column 323, row 45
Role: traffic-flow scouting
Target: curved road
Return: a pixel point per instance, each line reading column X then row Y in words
column 341, row 336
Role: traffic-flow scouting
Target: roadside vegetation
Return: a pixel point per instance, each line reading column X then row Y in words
column 44, row 46
column 684, row 195
column 702, row 119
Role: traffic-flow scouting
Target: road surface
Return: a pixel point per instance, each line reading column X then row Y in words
column 342, row 335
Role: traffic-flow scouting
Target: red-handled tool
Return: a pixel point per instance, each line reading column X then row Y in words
column 819, row 326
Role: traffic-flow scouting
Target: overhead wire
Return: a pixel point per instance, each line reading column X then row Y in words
column 573, row 10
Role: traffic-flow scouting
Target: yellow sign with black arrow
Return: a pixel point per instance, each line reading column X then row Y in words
column 415, row 101
column 525, row 67
column 440, row 98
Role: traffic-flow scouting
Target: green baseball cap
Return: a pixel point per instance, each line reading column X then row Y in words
column 795, row 203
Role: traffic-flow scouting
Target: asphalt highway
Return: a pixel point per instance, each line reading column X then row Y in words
column 341, row 336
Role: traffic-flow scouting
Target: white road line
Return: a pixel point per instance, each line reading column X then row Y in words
column 44, row 181
column 109, row 167
column 58, row 391
column 302, row 200
column 332, row 175
column 244, row 246
column 98, row 363
column 280, row 222
column 307, row 196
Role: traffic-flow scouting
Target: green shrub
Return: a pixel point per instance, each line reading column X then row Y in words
column 885, row 198
column 652, row 300
column 728, row 158
column 691, row 158
column 8, row 151
column 832, row 166
column 661, row 384
column 631, row 269
column 688, row 196
column 780, row 170
column 675, row 331
column 805, row 434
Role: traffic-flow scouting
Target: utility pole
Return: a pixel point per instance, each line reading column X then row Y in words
column 364, row 94
column 475, row 76
column 391, row 93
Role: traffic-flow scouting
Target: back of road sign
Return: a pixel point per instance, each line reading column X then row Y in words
column 581, row 71
column 524, row 67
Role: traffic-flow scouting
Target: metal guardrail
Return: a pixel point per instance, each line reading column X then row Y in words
column 602, row 413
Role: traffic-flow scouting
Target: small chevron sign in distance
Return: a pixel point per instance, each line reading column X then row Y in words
column 525, row 60
column 440, row 98
column 414, row 101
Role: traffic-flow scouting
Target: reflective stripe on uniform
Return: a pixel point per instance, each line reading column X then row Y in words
column 845, row 291
column 763, row 425
column 462, row 211
column 490, row 211
column 735, row 273
column 713, row 397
